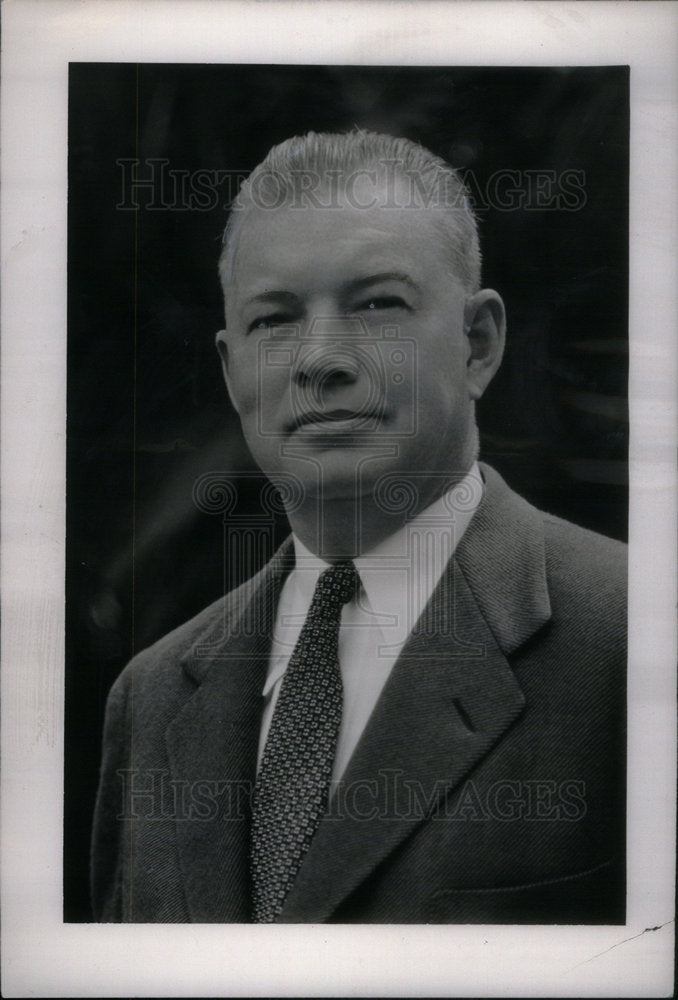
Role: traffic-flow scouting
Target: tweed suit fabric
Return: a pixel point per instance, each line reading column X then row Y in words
column 511, row 687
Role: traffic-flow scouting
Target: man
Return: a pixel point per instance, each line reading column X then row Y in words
column 414, row 712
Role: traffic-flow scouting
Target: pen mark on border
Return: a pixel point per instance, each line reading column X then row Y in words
column 647, row 930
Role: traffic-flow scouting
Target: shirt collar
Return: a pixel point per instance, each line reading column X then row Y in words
column 400, row 574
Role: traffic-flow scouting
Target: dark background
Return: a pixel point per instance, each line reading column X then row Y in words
column 147, row 411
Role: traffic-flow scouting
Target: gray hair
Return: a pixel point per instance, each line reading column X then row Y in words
column 301, row 169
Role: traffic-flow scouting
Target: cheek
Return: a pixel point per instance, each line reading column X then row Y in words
column 260, row 393
column 441, row 377
column 244, row 391
column 243, row 377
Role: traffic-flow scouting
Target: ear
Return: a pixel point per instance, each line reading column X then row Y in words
column 485, row 328
column 221, row 341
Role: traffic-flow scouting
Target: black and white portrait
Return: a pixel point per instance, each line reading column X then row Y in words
column 347, row 484
column 338, row 498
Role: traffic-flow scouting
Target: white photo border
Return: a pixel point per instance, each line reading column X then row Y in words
column 42, row 955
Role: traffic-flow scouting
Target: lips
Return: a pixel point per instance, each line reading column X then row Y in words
column 336, row 421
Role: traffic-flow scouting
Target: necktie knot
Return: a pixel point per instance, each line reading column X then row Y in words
column 337, row 585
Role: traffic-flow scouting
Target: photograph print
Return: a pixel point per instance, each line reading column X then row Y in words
column 347, row 494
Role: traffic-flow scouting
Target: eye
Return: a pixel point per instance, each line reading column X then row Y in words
column 266, row 322
column 383, row 302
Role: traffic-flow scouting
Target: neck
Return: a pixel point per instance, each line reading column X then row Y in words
column 343, row 529
column 335, row 528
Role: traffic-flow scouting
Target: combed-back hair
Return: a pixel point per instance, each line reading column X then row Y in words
column 299, row 170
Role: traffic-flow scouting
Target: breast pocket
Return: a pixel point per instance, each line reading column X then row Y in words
column 596, row 896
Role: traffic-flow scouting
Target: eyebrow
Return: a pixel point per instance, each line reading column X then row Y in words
column 275, row 295
column 354, row 284
column 372, row 279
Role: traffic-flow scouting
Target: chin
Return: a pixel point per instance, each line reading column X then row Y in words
column 338, row 488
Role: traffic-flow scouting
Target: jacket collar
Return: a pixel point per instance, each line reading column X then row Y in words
column 450, row 698
column 240, row 625
column 212, row 745
column 502, row 558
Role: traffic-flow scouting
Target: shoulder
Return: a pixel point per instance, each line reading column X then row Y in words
column 158, row 673
column 581, row 567
column 587, row 577
column 568, row 546
column 565, row 541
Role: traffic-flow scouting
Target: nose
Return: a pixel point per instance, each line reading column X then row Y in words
column 327, row 358
column 326, row 368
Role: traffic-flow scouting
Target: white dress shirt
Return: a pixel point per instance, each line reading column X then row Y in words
column 398, row 577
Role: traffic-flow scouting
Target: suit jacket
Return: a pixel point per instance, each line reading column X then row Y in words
column 488, row 786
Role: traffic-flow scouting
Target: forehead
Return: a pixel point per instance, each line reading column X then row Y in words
column 318, row 244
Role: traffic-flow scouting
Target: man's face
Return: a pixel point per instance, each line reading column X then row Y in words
column 345, row 351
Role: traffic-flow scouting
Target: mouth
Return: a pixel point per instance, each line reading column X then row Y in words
column 337, row 421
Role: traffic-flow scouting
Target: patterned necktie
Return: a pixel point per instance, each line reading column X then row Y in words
column 292, row 788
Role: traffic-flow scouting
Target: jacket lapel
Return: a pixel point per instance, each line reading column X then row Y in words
column 450, row 698
column 212, row 747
